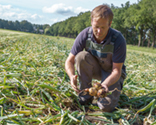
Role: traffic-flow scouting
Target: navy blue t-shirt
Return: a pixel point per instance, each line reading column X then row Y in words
column 119, row 53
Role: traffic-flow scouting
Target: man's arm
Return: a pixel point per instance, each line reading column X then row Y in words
column 114, row 76
column 70, row 70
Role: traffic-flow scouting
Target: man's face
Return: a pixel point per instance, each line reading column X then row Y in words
column 100, row 28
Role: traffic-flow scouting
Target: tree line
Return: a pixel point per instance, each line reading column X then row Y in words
column 137, row 22
column 24, row 26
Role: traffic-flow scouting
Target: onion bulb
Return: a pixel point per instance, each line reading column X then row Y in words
column 97, row 85
column 92, row 91
column 101, row 93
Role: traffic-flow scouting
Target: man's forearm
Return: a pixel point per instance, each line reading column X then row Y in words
column 112, row 78
column 70, row 69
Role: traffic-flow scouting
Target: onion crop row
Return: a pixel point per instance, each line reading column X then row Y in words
column 34, row 88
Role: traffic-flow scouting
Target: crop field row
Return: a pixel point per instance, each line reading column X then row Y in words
column 34, row 88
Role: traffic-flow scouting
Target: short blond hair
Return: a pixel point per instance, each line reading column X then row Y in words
column 102, row 11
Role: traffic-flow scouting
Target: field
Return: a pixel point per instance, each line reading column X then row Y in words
column 35, row 90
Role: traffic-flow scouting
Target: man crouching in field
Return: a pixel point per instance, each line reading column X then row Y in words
column 103, row 59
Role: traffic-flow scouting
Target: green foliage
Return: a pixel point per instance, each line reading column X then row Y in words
column 137, row 23
column 46, row 31
column 35, row 88
column 72, row 26
column 24, row 25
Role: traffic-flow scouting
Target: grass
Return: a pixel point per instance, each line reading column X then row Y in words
column 34, row 88
column 145, row 50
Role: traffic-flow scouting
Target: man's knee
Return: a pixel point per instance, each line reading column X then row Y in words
column 106, row 107
column 80, row 56
column 106, row 104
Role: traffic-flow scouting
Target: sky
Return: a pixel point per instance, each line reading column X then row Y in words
column 50, row 11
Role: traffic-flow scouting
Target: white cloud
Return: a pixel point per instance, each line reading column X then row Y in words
column 53, row 14
column 62, row 9
column 5, row 7
column 80, row 9
column 59, row 9
column 8, row 12
column 36, row 16
column 54, row 20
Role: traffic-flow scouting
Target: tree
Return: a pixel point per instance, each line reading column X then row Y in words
column 120, row 15
column 26, row 26
column 17, row 25
column 148, row 7
column 135, row 19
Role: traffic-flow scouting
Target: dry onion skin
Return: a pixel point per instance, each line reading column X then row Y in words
column 101, row 93
column 96, row 90
column 97, row 85
column 92, row 91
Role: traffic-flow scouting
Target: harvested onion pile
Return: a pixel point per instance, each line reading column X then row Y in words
column 96, row 90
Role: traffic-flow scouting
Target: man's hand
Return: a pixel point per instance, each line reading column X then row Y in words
column 105, row 87
column 69, row 66
column 74, row 83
